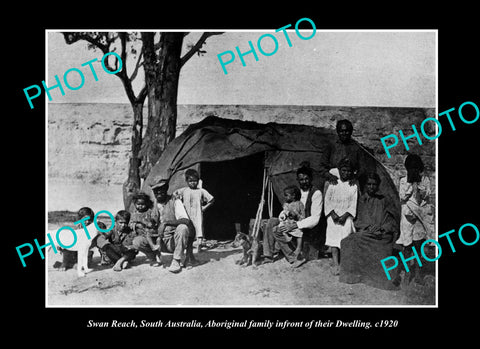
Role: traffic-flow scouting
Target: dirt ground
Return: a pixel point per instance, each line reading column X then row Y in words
column 217, row 280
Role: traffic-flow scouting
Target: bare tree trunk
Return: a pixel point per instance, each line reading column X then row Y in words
column 162, row 73
column 161, row 77
column 132, row 184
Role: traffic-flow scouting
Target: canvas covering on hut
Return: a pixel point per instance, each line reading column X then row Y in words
column 281, row 148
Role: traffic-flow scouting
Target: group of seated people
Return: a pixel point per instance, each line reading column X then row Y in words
column 355, row 226
column 170, row 224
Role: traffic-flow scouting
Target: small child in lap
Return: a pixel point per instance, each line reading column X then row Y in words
column 293, row 210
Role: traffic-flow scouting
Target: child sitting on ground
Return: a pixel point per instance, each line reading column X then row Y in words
column 195, row 200
column 293, row 210
column 117, row 244
column 99, row 241
column 144, row 219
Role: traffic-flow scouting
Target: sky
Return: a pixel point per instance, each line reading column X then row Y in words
column 333, row 68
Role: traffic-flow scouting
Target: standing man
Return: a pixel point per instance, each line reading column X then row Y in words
column 175, row 229
column 344, row 146
column 312, row 199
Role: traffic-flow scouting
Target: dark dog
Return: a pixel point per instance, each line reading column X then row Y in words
column 245, row 241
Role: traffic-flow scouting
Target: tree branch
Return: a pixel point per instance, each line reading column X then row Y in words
column 123, row 53
column 197, row 46
column 142, row 94
column 137, row 66
column 95, row 39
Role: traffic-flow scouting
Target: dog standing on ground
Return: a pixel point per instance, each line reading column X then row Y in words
column 81, row 246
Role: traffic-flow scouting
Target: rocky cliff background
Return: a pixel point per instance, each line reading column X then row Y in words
column 88, row 144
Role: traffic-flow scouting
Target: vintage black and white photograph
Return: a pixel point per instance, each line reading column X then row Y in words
column 241, row 168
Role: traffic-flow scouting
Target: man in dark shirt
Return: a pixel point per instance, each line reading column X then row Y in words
column 343, row 147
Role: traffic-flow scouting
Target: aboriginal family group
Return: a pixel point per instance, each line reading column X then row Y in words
column 169, row 223
column 349, row 216
column 353, row 220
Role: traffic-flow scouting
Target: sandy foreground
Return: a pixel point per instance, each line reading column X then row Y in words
column 217, row 280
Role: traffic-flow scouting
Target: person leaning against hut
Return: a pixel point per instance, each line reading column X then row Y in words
column 175, row 229
column 312, row 199
column 343, row 147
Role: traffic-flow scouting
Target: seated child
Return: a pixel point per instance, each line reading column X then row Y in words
column 117, row 244
column 144, row 219
column 99, row 241
column 293, row 210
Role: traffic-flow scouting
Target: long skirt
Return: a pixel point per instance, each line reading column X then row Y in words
column 360, row 260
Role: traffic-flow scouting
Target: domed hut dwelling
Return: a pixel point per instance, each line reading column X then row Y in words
column 245, row 165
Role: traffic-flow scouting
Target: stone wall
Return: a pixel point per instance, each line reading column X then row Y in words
column 89, row 144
